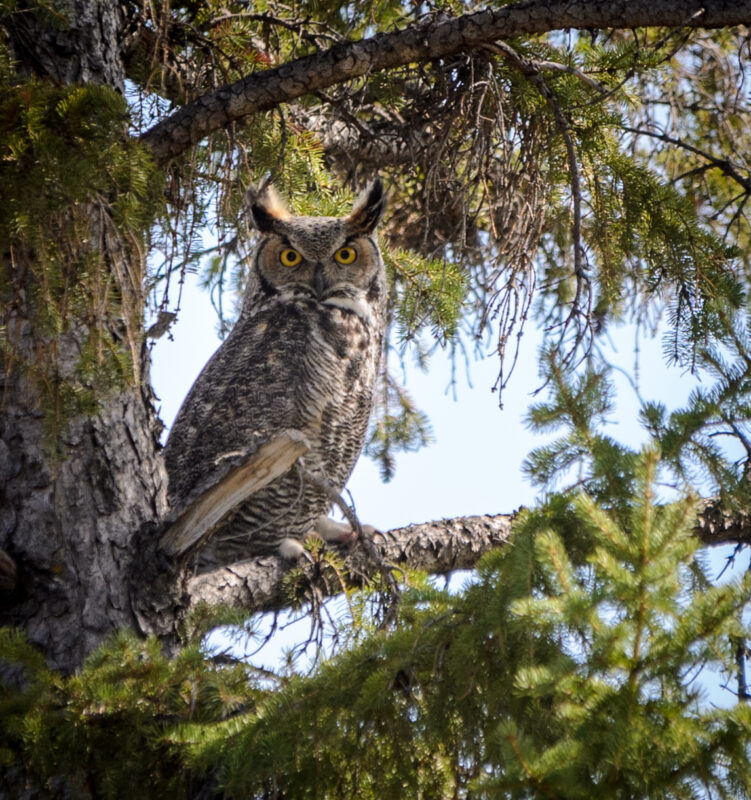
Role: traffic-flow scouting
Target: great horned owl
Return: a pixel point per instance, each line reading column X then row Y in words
column 304, row 354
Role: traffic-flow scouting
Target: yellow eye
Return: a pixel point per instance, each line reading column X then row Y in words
column 346, row 255
column 290, row 257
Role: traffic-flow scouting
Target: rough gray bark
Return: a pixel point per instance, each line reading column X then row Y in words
column 73, row 526
column 422, row 42
column 74, row 523
column 85, row 50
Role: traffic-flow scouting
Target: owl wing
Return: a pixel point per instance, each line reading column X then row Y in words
column 241, row 399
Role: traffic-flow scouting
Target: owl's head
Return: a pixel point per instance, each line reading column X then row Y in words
column 332, row 260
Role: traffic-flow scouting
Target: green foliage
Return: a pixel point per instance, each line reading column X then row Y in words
column 692, row 439
column 580, row 404
column 646, row 243
column 397, row 425
column 79, row 201
column 570, row 667
column 430, row 293
column 649, row 239
column 117, row 728
column 566, row 670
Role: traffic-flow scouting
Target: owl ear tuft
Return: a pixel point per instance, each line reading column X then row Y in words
column 368, row 208
column 267, row 209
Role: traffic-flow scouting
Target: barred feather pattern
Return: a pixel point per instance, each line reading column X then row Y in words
column 304, row 354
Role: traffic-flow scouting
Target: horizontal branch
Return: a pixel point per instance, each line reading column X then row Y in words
column 422, row 42
column 434, row 547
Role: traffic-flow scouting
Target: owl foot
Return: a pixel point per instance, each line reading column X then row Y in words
column 292, row 549
column 333, row 532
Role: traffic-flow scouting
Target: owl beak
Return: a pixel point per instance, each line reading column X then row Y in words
column 320, row 284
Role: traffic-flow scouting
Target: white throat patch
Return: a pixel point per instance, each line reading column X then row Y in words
column 354, row 304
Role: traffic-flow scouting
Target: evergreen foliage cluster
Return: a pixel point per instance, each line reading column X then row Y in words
column 554, row 675
column 572, row 666
column 114, row 729
column 64, row 162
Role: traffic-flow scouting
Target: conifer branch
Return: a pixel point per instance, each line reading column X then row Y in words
column 725, row 165
column 435, row 38
column 531, row 70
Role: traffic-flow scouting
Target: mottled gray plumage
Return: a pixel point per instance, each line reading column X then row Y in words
column 304, row 354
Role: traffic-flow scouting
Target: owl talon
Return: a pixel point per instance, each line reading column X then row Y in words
column 339, row 533
column 292, row 549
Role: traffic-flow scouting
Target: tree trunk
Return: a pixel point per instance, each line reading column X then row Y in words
column 74, row 522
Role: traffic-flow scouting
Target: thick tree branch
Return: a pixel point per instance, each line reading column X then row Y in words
column 435, row 547
column 716, row 525
column 422, row 42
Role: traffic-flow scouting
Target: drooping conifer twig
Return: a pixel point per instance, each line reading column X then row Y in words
column 724, row 165
column 532, row 71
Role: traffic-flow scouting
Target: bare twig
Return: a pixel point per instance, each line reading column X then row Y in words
column 723, row 164
column 531, row 69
